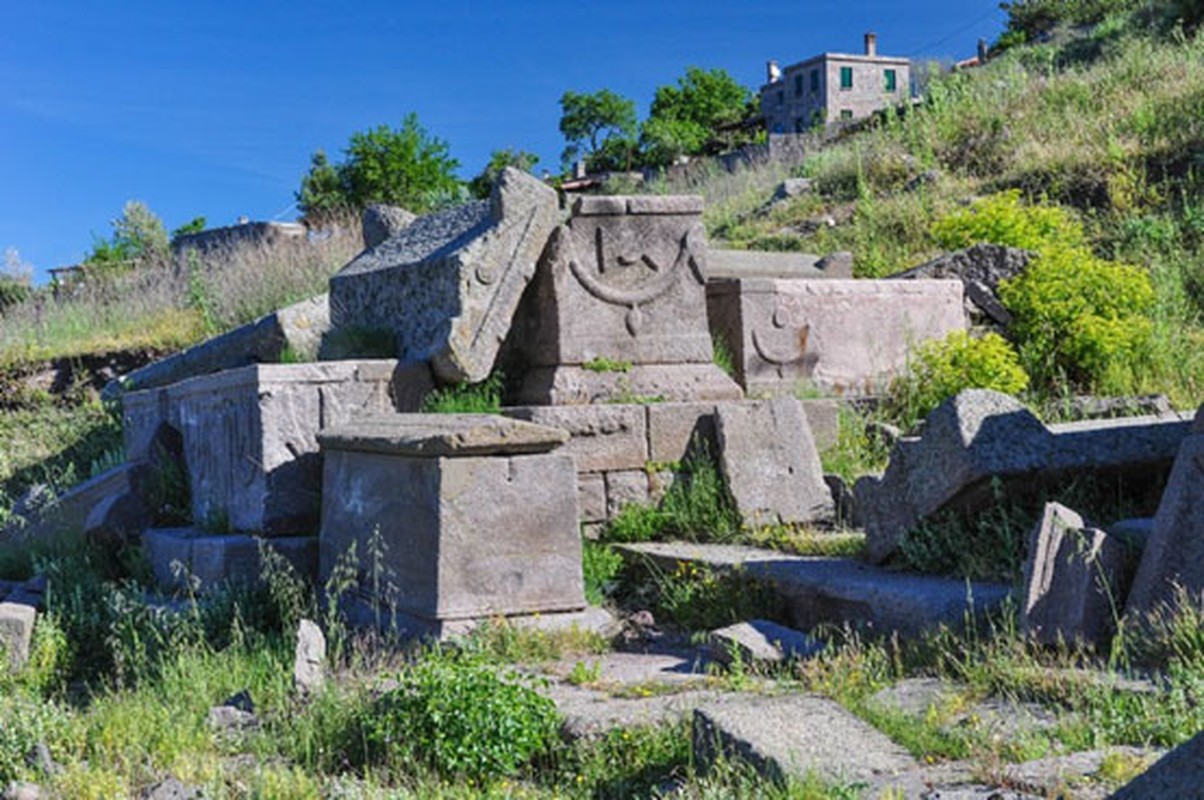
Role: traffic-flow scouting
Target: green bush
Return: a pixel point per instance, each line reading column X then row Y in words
column 463, row 718
column 24, row 722
column 941, row 369
column 697, row 507
column 467, row 398
column 12, row 292
column 601, row 566
column 1076, row 316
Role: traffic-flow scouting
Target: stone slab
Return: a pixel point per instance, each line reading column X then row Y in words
column 448, row 285
column 796, row 736
column 442, row 435
column 1173, row 558
column 459, row 538
column 589, row 713
column 625, row 488
column 69, row 511
column 591, row 496
column 658, row 668
column 981, row 269
column 603, row 437
column 761, row 641
column 770, row 462
column 297, row 328
column 250, row 435
column 16, row 632
column 847, row 336
column 979, row 435
column 675, row 430
column 1074, row 579
column 1176, row 776
column 837, row 591
column 823, row 417
column 639, row 383
column 211, row 560
column 724, row 264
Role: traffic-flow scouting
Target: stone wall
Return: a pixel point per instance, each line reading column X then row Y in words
column 847, row 336
column 629, row 453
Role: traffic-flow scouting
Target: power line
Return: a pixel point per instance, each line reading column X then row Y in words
column 958, row 32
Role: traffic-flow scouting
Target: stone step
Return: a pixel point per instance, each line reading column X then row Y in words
column 821, row 590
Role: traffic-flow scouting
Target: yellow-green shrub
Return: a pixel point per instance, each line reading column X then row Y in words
column 1076, row 315
column 941, row 369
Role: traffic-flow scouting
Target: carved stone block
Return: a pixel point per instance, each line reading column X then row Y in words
column 845, row 335
column 623, row 282
column 448, row 285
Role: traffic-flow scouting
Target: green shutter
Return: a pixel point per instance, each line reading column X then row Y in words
column 846, row 77
column 890, row 80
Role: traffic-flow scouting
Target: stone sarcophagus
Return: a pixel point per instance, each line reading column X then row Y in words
column 847, row 336
column 621, row 307
column 453, row 517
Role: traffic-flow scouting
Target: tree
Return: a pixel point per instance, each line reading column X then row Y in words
column 405, row 167
column 481, row 186
column 599, row 127
column 702, row 114
column 15, row 278
column 139, row 237
column 194, row 225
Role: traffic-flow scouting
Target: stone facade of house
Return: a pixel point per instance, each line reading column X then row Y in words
column 833, row 87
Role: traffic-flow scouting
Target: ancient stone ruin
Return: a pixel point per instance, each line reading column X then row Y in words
column 603, row 313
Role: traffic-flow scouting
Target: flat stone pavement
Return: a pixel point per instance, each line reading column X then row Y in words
column 783, row 733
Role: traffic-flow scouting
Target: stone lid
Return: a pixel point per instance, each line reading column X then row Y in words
column 442, row 435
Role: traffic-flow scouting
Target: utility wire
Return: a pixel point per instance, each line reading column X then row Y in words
column 958, row 32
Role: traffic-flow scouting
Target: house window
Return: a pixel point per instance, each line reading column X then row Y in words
column 815, row 80
column 798, row 85
column 781, row 97
column 891, row 81
column 846, row 77
column 846, row 113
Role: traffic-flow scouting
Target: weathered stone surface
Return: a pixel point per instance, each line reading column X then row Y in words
column 1174, row 553
column 642, row 383
column 117, row 519
column 623, row 281
column 463, row 538
column 67, row 512
column 309, row 658
column 794, row 736
column 761, row 641
column 725, row 264
column 838, row 591
column 448, row 285
column 629, row 487
column 24, row 790
column 675, row 430
column 667, row 666
column 604, row 437
column 770, row 463
column 980, row 434
column 591, row 496
column 178, row 555
column 1073, row 579
column 250, row 435
column 823, row 417
column 381, row 222
column 792, row 187
column 980, row 268
column 171, row 788
column 434, row 435
column 836, row 265
column 298, row 328
column 1176, row 776
column 16, row 632
column 589, row 713
column 848, row 336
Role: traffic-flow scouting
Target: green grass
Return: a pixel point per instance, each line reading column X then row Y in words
column 467, row 398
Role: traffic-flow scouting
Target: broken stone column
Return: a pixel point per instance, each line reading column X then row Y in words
column 619, row 308
column 446, row 287
column 452, row 518
column 1073, row 580
column 1173, row 558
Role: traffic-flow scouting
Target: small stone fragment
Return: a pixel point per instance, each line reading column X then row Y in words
column 309, row 665
column 761, row 641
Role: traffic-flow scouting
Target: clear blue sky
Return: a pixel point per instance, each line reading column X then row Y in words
column 214, row 108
